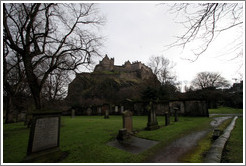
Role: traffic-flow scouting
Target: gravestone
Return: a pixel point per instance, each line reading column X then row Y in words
column 106, row 116
column 127, row 126
column 116, row 109
column 122, row 109
column 176, row 109
column 99, row 110
column 152, row 120
column 72, row 113
column 44, row 134
column 105, row 109
column 123, row 135
column 127, row 121
column 89, row 111
column 167, row 118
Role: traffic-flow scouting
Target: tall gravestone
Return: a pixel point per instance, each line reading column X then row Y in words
column 125, row 132
column 167, row 118
column 127, row 121
column 44, row 134
column 152, row 120
column 176, row 109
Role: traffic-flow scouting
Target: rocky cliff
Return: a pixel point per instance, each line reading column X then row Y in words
column 110, row 84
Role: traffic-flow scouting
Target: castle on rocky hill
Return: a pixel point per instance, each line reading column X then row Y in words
column 107, row 64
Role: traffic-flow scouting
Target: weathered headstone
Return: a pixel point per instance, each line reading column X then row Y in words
column 116, row 109
column 44, row 134
column 122, row 109
column 127, row 121
column 72, row 113
column 152, row 120
column 99, row 110
column 106, row 116
column 176, row 109
column 106, row 111
column 167, row 119
column 89, row 111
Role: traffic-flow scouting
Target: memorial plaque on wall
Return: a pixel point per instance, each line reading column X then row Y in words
column 44, row 133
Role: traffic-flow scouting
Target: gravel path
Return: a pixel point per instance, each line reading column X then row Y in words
column 178, row 148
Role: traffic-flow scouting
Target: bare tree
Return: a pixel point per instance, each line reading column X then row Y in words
column 59, row 36
column 13, row 82
column 205, row 80
column 205, row 21
column 55, row 88
column 162, row 67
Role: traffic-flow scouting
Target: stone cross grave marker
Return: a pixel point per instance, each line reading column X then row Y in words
column 152, row 120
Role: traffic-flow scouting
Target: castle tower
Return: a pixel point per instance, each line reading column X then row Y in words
column 105, row 64
column 127, row 64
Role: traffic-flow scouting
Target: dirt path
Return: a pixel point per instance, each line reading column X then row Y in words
column 172, row 152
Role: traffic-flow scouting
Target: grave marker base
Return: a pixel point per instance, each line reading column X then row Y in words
column 47, row 156
column 152, row 126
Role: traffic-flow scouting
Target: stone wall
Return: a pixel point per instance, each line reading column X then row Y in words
column 162, row 108
column 177, row 104
column 196, row 108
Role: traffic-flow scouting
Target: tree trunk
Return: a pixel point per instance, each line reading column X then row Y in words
column 9, row 117
column 32, row 81
column 7, row 110
column 37, row 100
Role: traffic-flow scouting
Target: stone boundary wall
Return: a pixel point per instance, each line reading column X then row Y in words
column 215, row 153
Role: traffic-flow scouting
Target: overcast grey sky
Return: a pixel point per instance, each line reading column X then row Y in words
column 136, row 31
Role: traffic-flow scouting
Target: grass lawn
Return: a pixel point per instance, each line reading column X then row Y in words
column 233, row 152
column 85, row 138
column 225, row 110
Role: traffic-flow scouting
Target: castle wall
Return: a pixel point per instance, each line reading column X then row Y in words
column 137, row 68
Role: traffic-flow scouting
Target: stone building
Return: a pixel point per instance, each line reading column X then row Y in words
column 107, row 64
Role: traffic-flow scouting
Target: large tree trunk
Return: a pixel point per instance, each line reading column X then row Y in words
column 33, row 81
column 37, row 99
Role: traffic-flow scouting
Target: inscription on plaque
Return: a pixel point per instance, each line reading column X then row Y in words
column 46, row 133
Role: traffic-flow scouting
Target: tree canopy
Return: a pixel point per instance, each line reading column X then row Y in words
column 205, row 80
column 46, row 37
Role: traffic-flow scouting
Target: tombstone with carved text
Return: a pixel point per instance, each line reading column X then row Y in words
column 44, row 134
